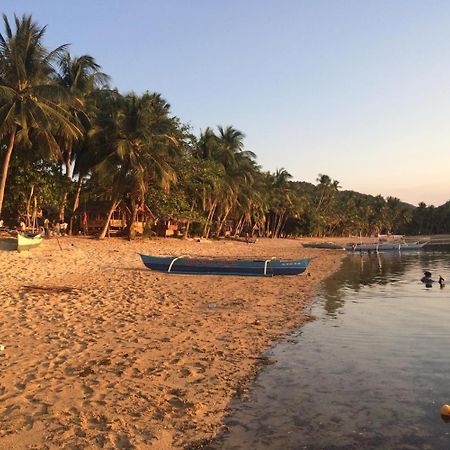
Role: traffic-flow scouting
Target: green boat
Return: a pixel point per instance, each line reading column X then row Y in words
column 27, row 241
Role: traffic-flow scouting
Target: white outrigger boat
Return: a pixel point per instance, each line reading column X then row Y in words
column 386, row 243
column 385, row 247
column 27, row 241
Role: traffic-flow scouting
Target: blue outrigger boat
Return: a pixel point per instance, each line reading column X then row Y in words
column 213, row 266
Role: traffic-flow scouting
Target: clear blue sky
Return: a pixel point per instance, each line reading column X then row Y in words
column 356, row 89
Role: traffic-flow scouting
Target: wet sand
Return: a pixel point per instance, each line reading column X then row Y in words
column 100, row 352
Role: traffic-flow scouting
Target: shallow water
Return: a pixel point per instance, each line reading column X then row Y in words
column 371, row 372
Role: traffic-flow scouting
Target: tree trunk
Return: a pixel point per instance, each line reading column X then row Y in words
column 283, row 224
column 210, row 222
column 67, row 163
column 34, row 219
column 106, row 226
column 28, row 206
column 268, row 225
column 76, row 202
column 188, row 224
column 222, row 222
column 238, row 225
column 277, row 228
column 209, row 219
column 131, row 225
column 9, row 151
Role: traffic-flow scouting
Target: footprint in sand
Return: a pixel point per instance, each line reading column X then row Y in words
column 87, row 390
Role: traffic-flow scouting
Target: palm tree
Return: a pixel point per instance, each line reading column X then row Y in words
column 227, row 150
column 142, row 137
column 280, row 200
column 32, row 107
column 326, row 191
column 81, row 76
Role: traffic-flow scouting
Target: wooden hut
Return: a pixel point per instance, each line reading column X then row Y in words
column 168, row 227
column 96, row 214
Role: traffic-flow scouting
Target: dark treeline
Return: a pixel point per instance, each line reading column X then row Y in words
column 67, row 139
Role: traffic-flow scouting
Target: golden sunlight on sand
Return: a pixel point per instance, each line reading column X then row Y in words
column 101, row 352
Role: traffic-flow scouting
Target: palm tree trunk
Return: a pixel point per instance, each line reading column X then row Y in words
column 131, row 225
column 222, row 222
column 267, row 230
column 9, row 151
column 188, row 224
column 76, row 202
column 207, row 226
column 279, row 225
column 275, row 226
column 106, row 226
column 238, row 225
column 283, row 224
column 211, row 220
column 67, row 163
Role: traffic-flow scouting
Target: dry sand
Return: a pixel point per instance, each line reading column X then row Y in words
column 100, row 352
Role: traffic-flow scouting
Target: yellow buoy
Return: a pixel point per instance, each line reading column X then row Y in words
column 445, row 410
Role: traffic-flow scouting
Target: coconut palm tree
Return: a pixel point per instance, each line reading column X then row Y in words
column 32, row 107
column 280, row 201
column 143, row 137
column 81, row 76
column 326, row 193
column 226, row 149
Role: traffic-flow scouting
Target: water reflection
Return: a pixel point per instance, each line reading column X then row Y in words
column 363, row 270
column 371, row 372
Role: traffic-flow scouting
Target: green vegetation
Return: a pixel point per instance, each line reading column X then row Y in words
column 67, row 138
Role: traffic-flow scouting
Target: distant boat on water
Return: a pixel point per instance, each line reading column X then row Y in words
column 385, row 246
column 27, row 241
column 217, row 266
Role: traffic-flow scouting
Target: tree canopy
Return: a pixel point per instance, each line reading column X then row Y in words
column 67, row 138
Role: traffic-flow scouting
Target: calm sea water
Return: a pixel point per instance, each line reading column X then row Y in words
column 371, row 372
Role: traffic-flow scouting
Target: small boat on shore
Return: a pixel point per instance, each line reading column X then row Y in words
column 385, row 246
column 27, row 241
column 326, row 245
column 217, row 266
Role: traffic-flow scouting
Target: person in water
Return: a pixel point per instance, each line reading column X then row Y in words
column 427, row 280
column 426, row 277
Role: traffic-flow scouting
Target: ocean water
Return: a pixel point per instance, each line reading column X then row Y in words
column 372, row 370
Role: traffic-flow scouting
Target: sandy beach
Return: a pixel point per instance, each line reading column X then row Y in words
column 100, row 352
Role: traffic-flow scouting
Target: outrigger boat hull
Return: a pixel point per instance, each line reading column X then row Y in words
column 210, row 266
column 27, row 242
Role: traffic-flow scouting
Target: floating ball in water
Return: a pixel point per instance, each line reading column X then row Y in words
column 445, row 410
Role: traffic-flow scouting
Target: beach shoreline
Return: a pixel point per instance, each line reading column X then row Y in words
column 100, row 351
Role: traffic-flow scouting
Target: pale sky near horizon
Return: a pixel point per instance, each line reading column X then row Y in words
column 355, row 89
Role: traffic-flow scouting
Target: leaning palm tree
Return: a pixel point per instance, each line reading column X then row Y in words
column 32, row 107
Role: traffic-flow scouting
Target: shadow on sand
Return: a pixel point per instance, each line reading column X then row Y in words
column 8, row 243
